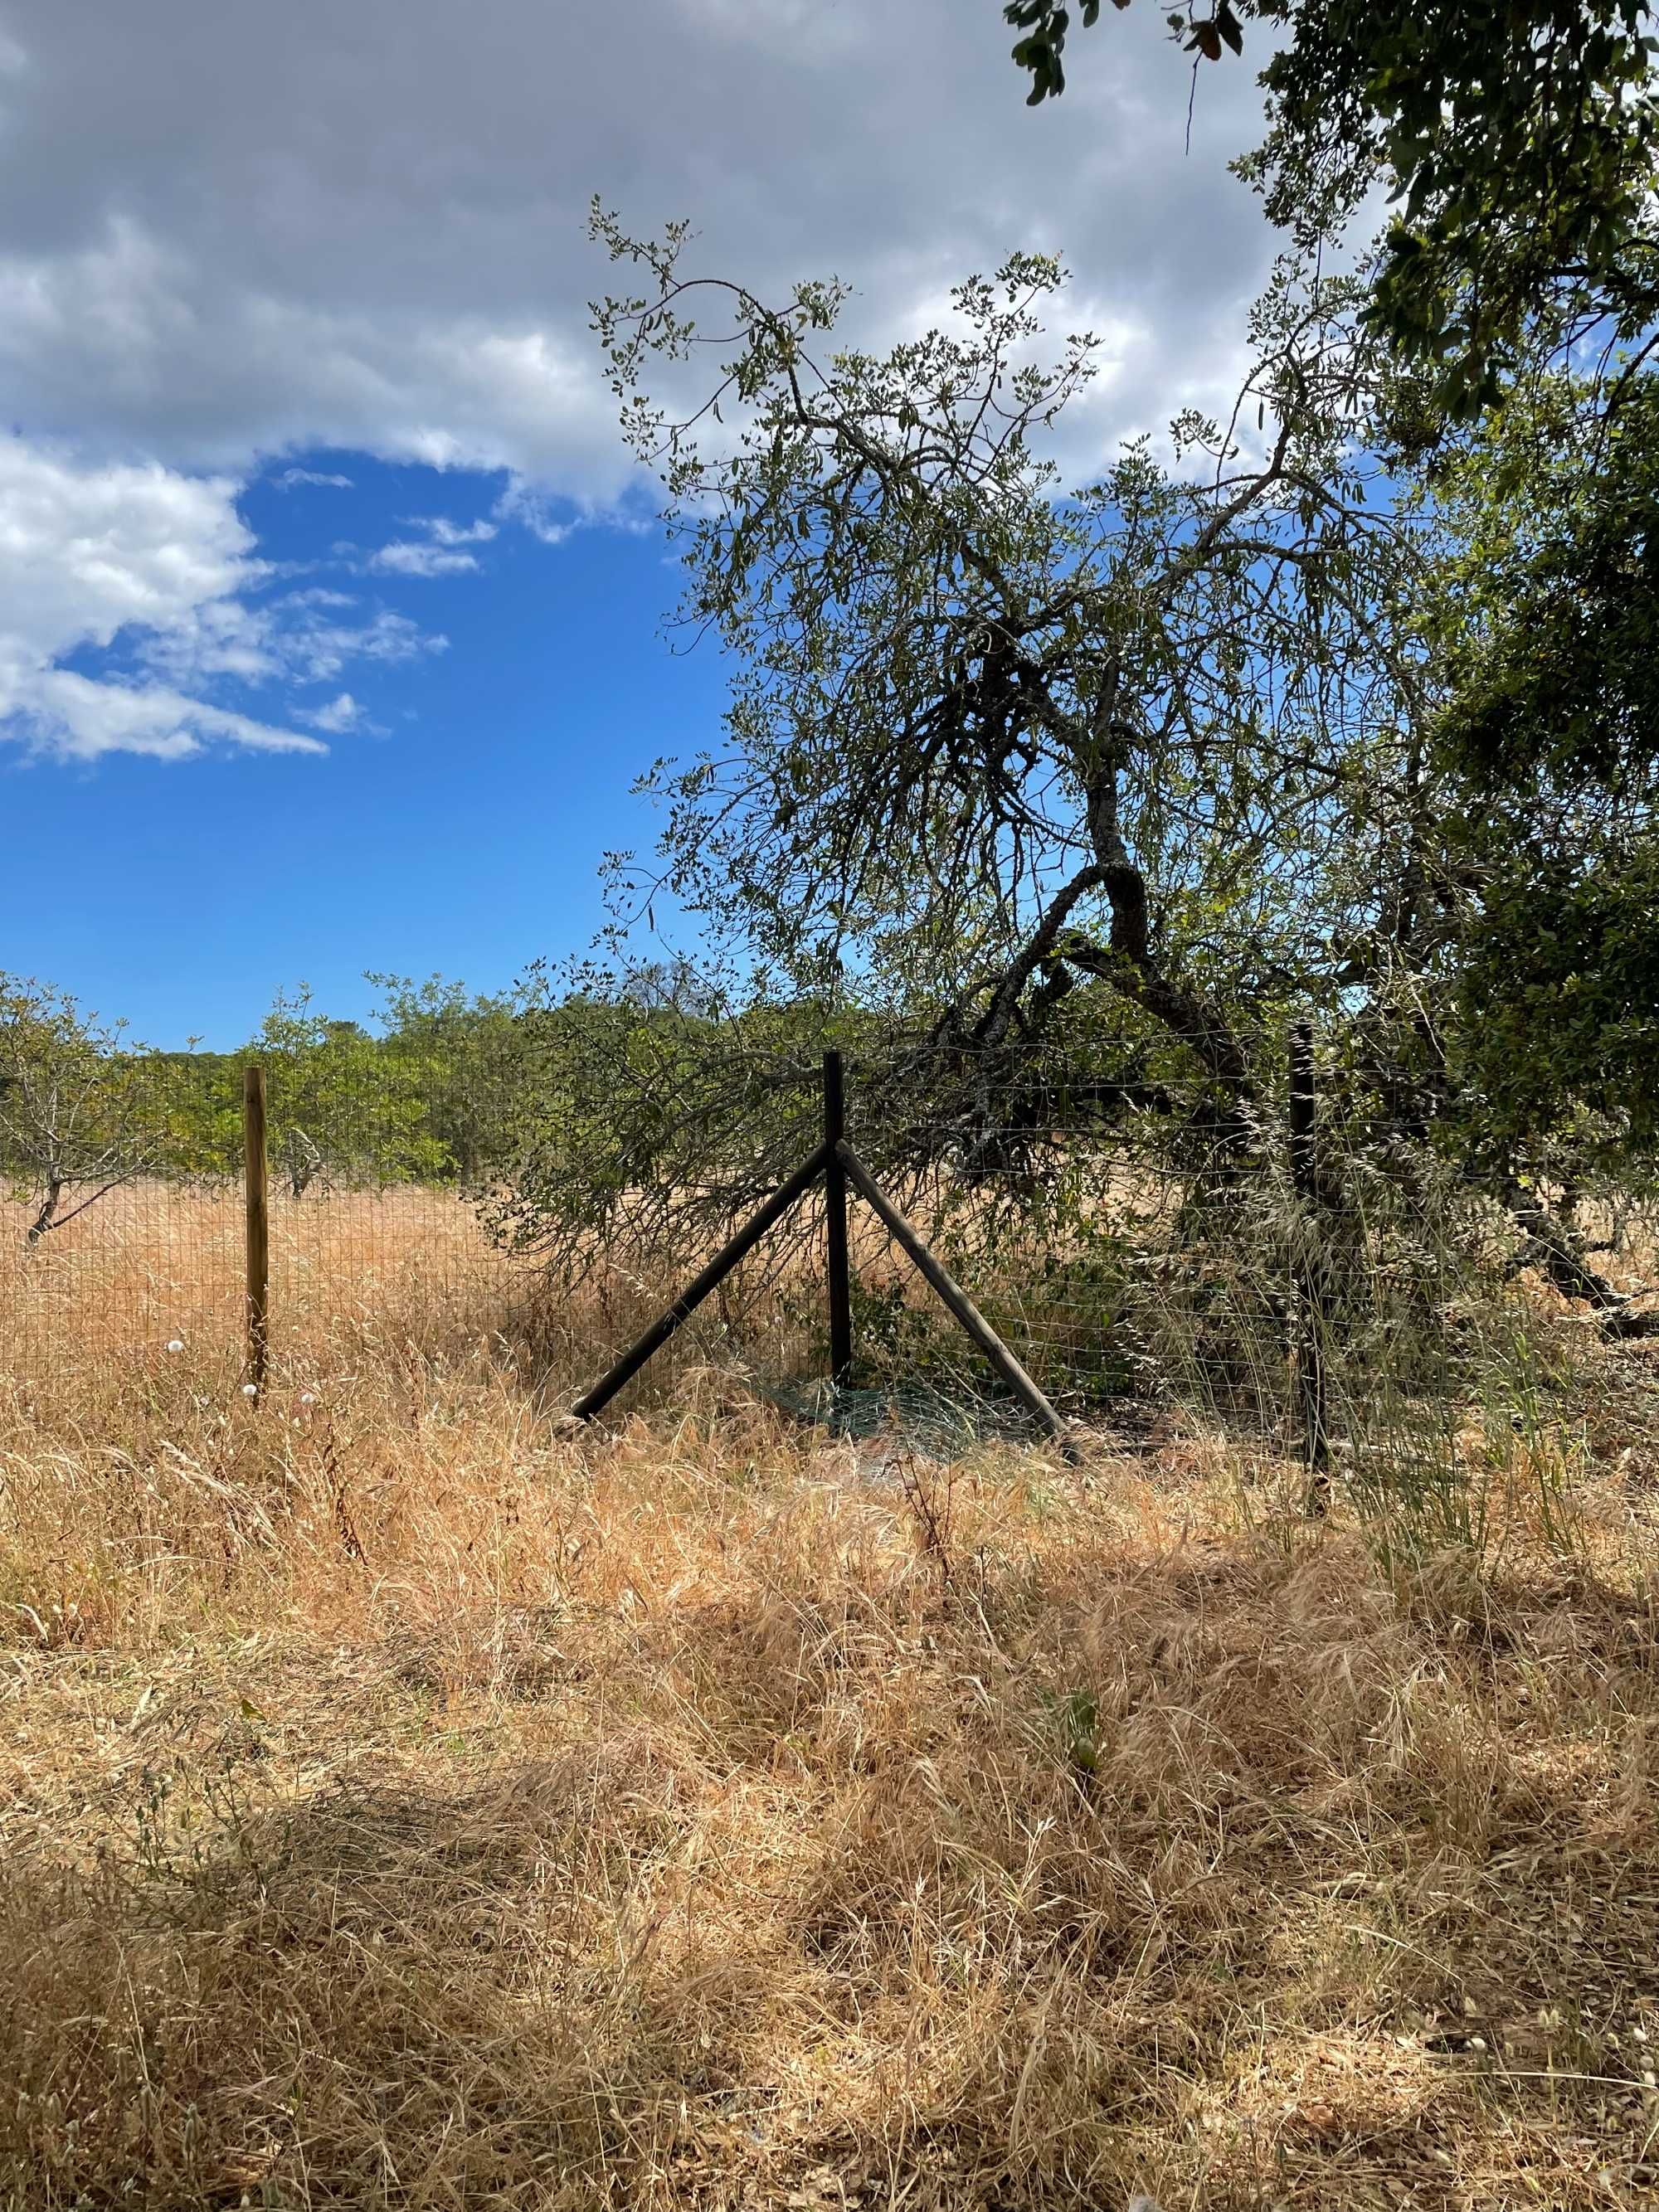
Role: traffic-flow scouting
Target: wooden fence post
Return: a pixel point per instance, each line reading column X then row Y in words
column 1311, row 1384
column 835, row 1194
column 256, row 1204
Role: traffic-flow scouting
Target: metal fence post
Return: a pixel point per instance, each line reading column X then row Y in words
column 835, row 1196
column 1311, row 1381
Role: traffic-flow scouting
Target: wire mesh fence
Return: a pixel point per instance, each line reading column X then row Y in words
column 1131, row 1253
column 387, row 1240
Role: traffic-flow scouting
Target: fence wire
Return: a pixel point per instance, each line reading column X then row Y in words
column 386, row 1241
column 1164, row 1255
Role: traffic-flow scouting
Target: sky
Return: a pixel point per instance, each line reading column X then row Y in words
column 330, row 610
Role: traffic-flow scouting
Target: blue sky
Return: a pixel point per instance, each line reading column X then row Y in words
column 459, row 830
column 259, row 729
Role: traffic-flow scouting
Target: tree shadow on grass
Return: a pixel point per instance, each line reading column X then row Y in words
column 983, row 1939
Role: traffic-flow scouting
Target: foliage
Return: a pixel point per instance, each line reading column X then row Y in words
column 1548, row 608
column 467, row 1060
column 1540, row 611
column 991, row 740
column 434, row 1092
column 1072, row 794
column 643, row 1124
column 1559, row 998
column 427, row 1094
column 342, row 1109
column 1517, row 136
column 79, row 1114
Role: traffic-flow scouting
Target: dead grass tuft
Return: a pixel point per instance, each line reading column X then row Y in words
column 406, row 1803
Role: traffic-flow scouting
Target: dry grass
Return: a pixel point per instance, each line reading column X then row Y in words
column 406, row 1804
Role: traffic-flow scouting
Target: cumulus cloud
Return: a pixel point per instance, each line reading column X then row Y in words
column 341, row 714
column 153, row 577
column 89, row 553
column 232, row 233
column 233, row 237
column 85, row 551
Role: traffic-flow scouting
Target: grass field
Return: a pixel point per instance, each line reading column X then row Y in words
column 406, row 1803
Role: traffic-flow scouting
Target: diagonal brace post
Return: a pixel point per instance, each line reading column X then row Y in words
column 961, row 1307
column 697, row 1290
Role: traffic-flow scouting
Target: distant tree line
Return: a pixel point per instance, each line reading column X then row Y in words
column 426, row 1092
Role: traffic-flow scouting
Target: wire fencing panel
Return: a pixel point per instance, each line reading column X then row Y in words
column 109, row 1256
column 1134, row 1251
column 1124, row 1268
column 151, row 1268
column 1153, row 1252
column 391, row 1239
column 372, row 1244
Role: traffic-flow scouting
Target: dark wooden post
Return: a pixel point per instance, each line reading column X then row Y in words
column 1311, row 1348
column 257, row 1199
column 835, row 1199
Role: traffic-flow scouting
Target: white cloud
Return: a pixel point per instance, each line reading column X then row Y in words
column 407, row 557
column 87, row 554
column 233, row 237
column 71, row 714
column 87, row 550
column 237, row 233
column 314, row 649
column 438, row 554
column 108, row 562
column 446, row 532
column 521, row 502
column 341, row 714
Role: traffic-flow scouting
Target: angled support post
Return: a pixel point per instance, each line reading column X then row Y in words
column 697, row 1289
column 956, row 1300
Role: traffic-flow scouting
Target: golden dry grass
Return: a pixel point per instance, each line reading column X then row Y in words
column 403, row 1803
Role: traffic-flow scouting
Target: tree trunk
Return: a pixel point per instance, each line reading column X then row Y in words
column 1132, row 964
column 1556, row 1250
column 47, row 1216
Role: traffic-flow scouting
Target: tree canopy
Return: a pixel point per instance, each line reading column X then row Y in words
column 1074, row 791
column 1516, row 139
column 991, row 734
